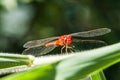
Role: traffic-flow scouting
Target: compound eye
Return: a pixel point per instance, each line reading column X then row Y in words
column 69, row 39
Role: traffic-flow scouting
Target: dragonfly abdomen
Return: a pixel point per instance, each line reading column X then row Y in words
column 51, row 44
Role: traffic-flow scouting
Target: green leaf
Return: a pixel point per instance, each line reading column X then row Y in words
column 72, row 67
column 12, row 60
column 98, row 76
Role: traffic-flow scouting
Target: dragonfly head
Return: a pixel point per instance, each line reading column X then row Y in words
column 66, row 39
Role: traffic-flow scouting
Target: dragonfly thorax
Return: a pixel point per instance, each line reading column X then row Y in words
column 64, row 40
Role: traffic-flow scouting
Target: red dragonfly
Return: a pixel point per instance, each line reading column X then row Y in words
column 44, row 46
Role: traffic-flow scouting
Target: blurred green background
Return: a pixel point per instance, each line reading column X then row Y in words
column 24, row 20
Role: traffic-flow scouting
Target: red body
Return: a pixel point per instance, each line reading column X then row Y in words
column 62, row 40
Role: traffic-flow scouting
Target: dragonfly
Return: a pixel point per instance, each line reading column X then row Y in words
column 67, row 42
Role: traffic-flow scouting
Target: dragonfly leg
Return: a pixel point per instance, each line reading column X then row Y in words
column 66, row 49
column 62, row 49
column 69, row 48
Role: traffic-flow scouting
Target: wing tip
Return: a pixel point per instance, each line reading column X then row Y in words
column 107, row 29
column 25, row 45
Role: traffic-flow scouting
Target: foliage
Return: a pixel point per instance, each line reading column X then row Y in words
column 72, row 67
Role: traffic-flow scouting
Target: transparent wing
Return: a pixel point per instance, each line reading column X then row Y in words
column 87, row 44
column 92, row 33
column 38, row 51
column 36, row 43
